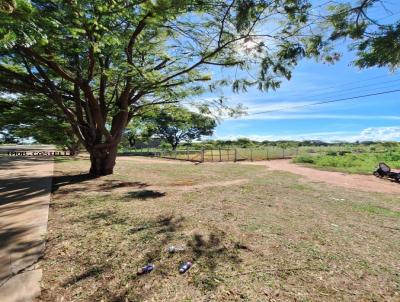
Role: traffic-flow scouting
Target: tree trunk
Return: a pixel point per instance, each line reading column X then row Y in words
column 132, row 142
column 74, row 149
column 103, row 161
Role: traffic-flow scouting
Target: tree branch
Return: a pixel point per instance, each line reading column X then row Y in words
column 139, row 28
column 52, row 65
column 223, row 23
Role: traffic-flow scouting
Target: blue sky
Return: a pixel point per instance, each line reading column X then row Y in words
column 371, row 118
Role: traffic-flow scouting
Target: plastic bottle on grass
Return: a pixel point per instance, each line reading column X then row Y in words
column 146, row 269
column 185, row 267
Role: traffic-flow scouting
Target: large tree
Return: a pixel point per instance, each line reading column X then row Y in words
column 139, row 129
column 177, row 124
column 100, row 61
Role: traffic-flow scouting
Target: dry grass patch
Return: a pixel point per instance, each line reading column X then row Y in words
column 262, row 236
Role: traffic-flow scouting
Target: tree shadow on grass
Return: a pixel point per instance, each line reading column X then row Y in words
column 94, row 271
column 63, row 180
column 100, row 215
column 98, row 184
column 104, row 292
column 161, row 225
column 115, row 184
column 162, row 230
column 212, row 250
column 107, row 217
column 209, row 254
column 144, row 195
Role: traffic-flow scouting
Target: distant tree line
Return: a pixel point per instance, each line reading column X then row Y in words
column 248, row 143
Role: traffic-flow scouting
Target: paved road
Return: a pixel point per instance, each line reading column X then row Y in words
column 25, row 187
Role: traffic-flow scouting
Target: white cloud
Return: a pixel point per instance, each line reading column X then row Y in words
column 273, row 116
column 372, row 133
column 380, row 133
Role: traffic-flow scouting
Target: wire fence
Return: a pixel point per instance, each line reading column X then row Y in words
column 221, row 154
column 250, row 154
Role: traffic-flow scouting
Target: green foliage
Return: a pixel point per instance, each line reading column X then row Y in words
column 376, row 44
column 176, row 124
column 244, row 143
column 353, row 162
column 142, row 51
column 139, row 130
column 304, row 159
column 33, row 117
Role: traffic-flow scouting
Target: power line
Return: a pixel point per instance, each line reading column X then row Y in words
column 323, row 17
column 364, row 88
column 341, row 86
column 326, row 102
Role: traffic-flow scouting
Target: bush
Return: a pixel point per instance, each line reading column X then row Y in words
column 353, row 162
column 304, row 159
column 342, row 153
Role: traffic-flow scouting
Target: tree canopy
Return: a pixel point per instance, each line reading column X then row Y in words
column 375, row 43
column 102, row 61
column 27, row 117
column 177, row 124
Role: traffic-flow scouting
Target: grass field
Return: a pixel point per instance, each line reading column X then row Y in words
column 252, row 234
column 364, row 162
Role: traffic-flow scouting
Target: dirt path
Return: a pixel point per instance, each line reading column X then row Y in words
column 25, row 186
column 209, row 185
column 150, row 160
column 367, row 183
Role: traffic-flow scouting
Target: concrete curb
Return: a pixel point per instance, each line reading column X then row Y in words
column 25, row 191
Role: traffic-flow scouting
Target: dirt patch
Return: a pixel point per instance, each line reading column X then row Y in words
column 366, row 183
column 182, row 183
column 213, row 184
column 145, row 160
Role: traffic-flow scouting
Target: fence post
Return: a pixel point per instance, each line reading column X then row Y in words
column 202, row 155
column 212, row 155
column 187, row 153
column 283, row 153
column 267, row 154
column 234, row 160
column 175, row 154
column 220, row 157
column 251, row 154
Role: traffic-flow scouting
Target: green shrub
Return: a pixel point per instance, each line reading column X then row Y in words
column 304, row 159
column 353, row 162
column 342, row 153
